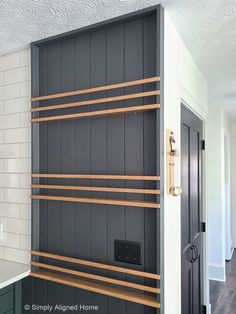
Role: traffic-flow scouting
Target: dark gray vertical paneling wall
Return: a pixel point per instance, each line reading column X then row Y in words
column 82, row 161
column 115, row 150
column 52, row 149
column 67, row 160
column 111, row 145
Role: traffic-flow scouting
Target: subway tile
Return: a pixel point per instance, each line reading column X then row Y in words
column 2, row 250
column 17, row 165
column 2, row 104
column 17, row 75
column 11, row 240
column 25, row 181
column 25, row 119
column 10, row 61
column 25, row 150
column 17, row 105
column 1, row 78
column 15, row 156
column 9, row 91
column 2, row 195
column 9, row 180
column 25, row 57
column 10, row 210
column 16, row 255
column 21, row 196
column 9, row 151
column 25, row 242
column 1, row 136
column 25, row 211
column 18, row 226
column 22, row 135
column 10, row 121
column 25, row 89
column 1, row 165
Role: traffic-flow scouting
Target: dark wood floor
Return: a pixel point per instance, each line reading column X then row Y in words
column 223, row 294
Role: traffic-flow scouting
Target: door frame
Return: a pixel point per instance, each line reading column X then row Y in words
column 205, row 299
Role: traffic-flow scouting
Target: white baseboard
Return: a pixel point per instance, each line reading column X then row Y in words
column 216, row 272
column 232, row 251
column 209, row 309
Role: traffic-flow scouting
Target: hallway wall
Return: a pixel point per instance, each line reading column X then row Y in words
column 183, row 83
column 233, row 180
column 218, row 130
column 15, row 156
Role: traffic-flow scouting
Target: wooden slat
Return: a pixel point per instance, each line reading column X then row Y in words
column 96, row 201
column 96, row 265
column 94, row 189
column 98, row 113
column 96, row 101
column 94, row 176
column 96, row 277
column 98, row 288
column 98, row 89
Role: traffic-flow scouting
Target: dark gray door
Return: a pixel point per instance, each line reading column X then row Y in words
column 191, row 136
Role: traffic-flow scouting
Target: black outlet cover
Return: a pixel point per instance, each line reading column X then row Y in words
column 128, row 252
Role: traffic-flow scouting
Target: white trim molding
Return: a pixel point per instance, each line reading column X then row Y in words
column 217, row 272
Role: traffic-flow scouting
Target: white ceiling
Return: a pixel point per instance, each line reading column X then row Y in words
column 208, row 28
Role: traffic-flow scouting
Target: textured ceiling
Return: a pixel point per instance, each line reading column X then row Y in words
column 208, row 28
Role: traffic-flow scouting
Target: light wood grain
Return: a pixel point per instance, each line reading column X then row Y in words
column 96, row 101
column 98, row 113
column 94, row 189
column 96, row 277
column 96, row 265
column 98, row 89
column 96, row 201
column 94, row 176
column 97, row 288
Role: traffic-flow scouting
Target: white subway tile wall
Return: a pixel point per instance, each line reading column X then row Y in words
column 15, row 157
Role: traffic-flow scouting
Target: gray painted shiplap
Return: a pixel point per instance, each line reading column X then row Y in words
column 127, row 144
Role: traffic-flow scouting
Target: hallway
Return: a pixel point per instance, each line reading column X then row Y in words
column 223, row 294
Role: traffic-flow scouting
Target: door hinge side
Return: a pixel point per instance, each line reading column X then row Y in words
column 203, row 227
column 204, row 309
column 203, row 145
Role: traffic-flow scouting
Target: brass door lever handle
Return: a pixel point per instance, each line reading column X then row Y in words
column 172, row 153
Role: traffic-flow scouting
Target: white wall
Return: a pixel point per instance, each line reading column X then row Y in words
column 15, row 154
column 183, row 82
column 219, row 235
column 226, row 186
column 233, row 180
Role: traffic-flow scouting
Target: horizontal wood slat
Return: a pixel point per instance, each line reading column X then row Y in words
column 98, row 113
column 94, row 189
column 98, row 89
column 96, row 265
column 96, row 201
column 97, row 288
column 96, row 101
column 94, row 176
column 96, row 277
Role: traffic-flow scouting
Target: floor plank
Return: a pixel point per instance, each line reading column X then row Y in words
column 223, row 294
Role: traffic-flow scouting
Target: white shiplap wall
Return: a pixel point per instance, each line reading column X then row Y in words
column 15, row 157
